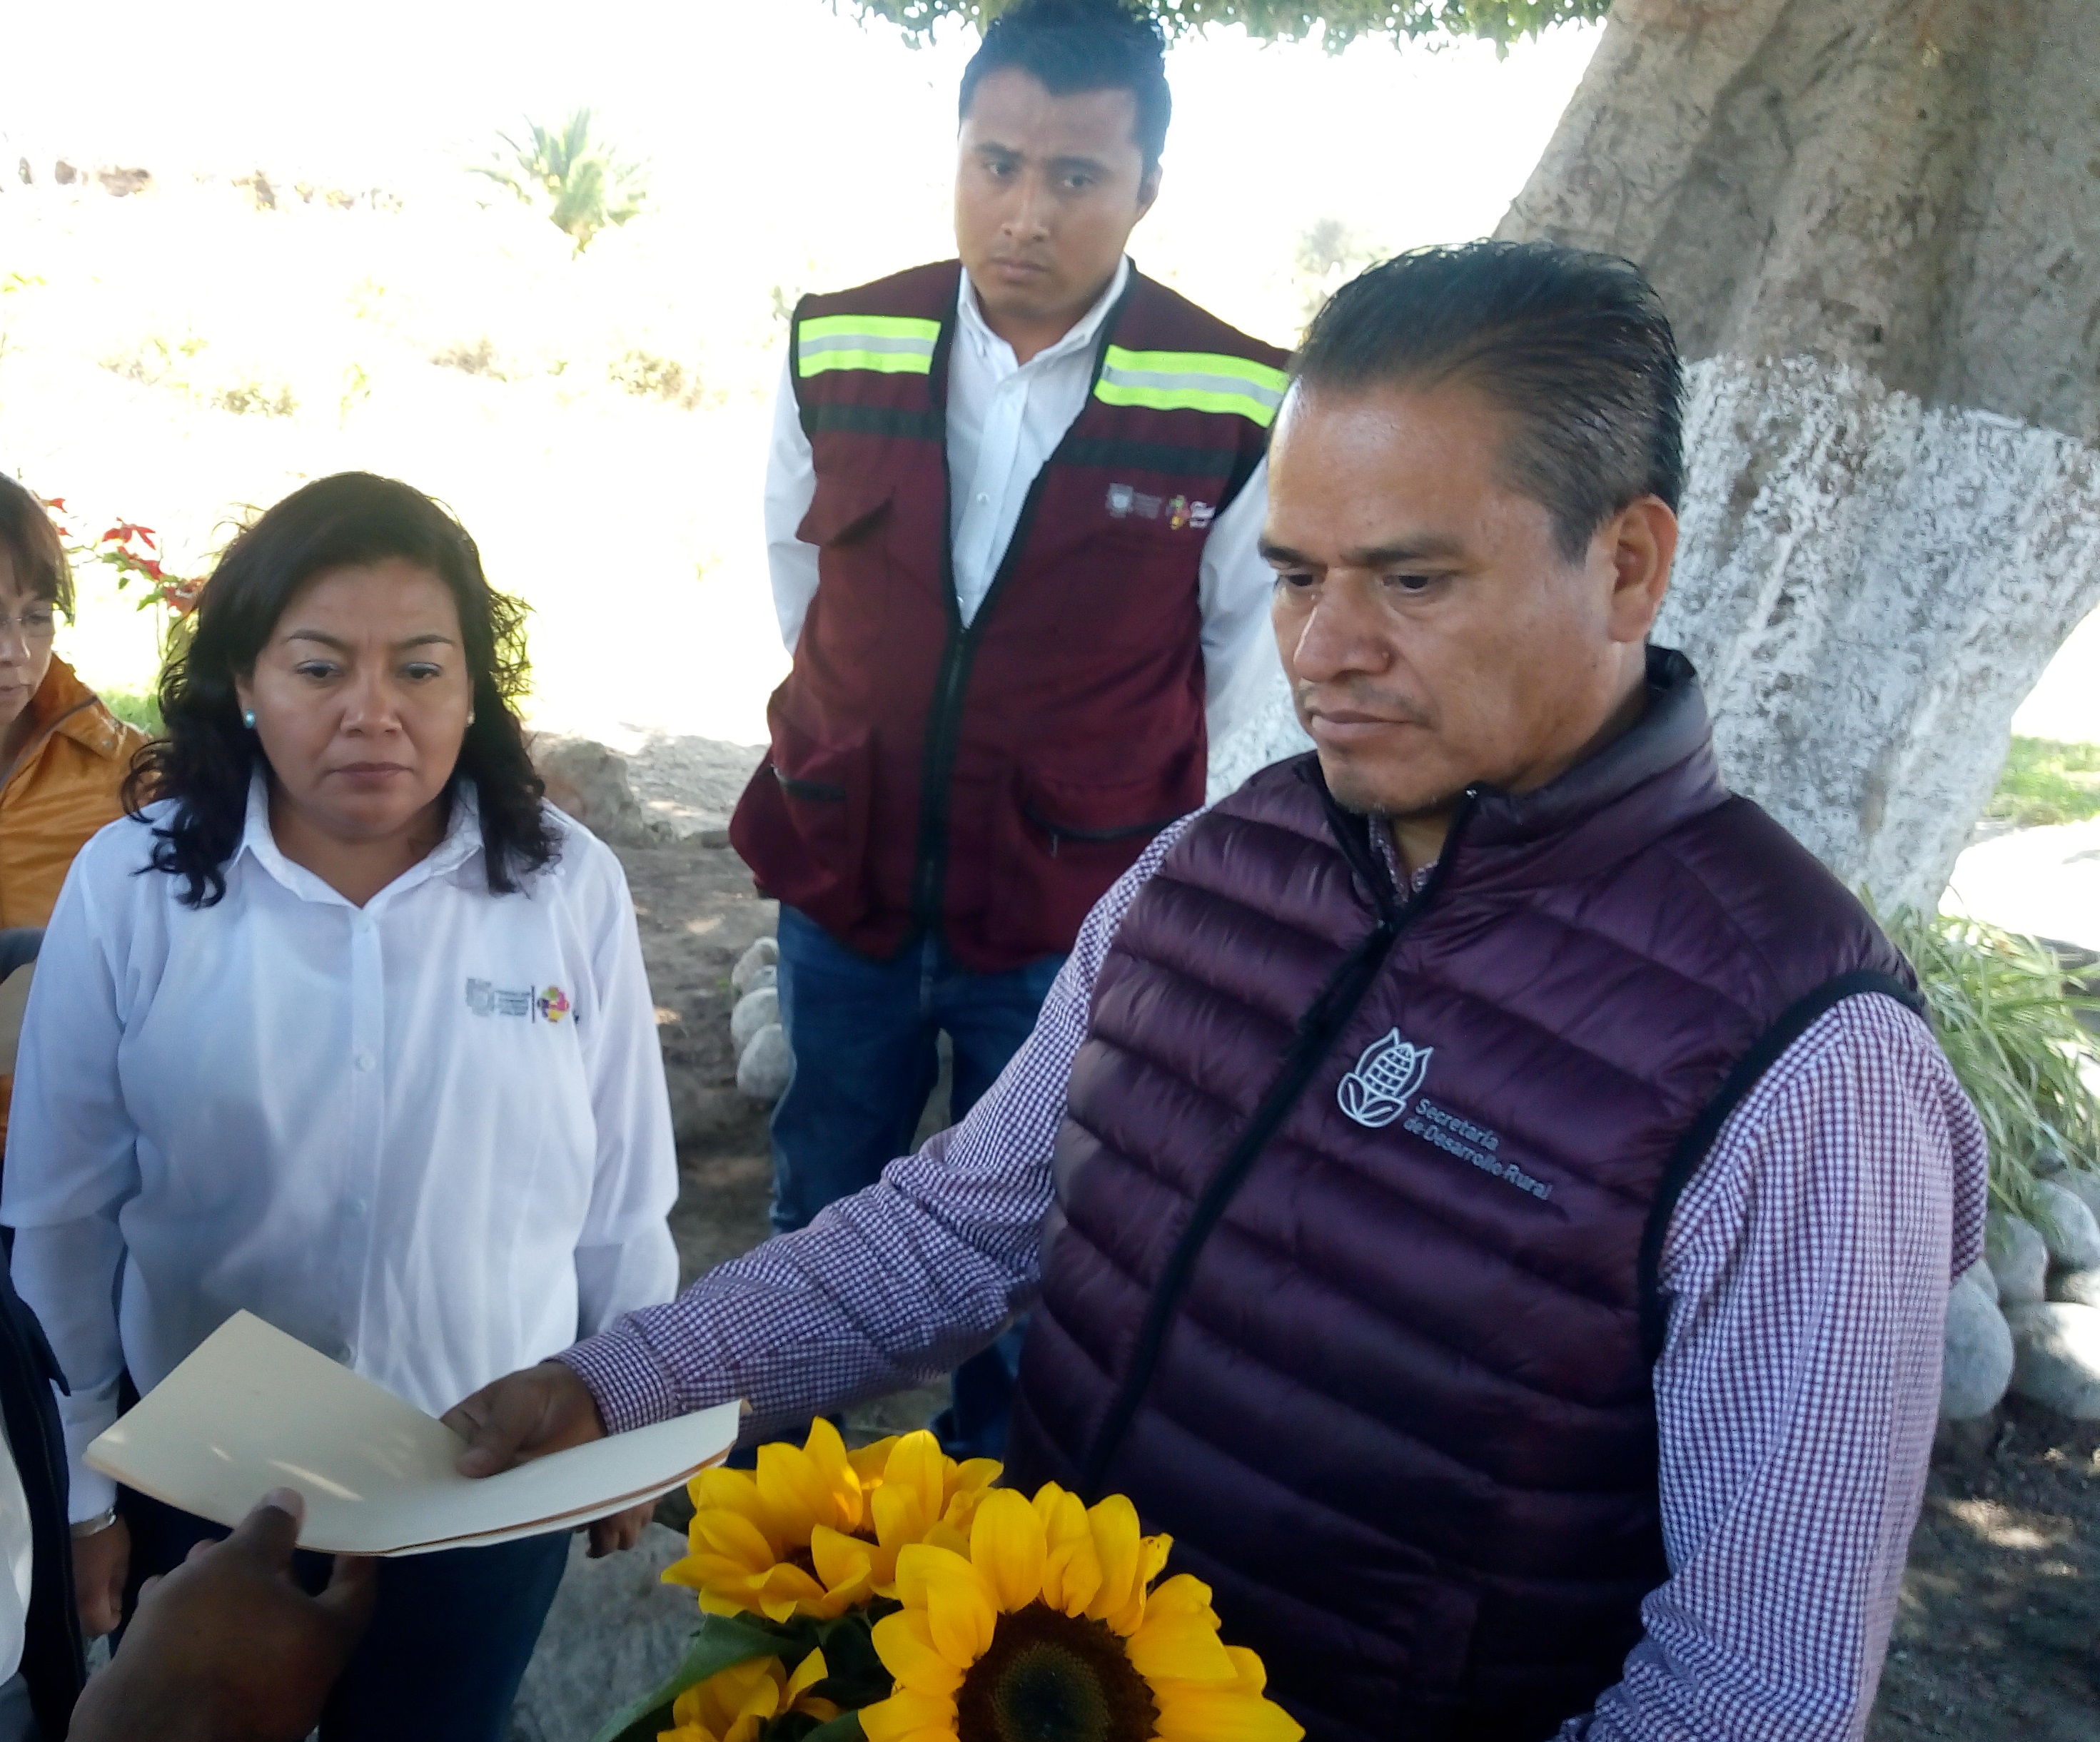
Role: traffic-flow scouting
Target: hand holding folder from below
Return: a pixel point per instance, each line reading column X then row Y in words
column 253, row 1409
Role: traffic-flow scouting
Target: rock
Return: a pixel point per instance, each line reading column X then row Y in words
column 615, row 1632
column 692, row 785
column 761, row 1072
column 1979, row 1273
column 753, row 1011
column 2057, row 1357
column 590, row 782
column 2018, row 1257
column 2084, row 1185
column 1978, row 1365
column 2067, row 1227
column 2079, row 1288
column 761, row 957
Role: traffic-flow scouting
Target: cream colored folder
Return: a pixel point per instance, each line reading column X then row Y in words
column 253, row 1409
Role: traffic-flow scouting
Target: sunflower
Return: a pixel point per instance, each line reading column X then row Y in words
column 1045, row 1629
column 816, row 1530
column 735, row 1705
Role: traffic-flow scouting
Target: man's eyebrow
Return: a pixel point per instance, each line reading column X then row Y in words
column 1430, row 547
column 1074, row 161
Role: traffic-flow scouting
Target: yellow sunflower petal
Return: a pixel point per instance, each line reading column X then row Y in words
column 904, row 1641
column 1007, row 1546
column 827, row 1452
column 844, row 1564
column 894, row 1509
column 1192, row 1712
column 735, row 1492
column 732, row 1536
column 908, row 1717
column 1117, row 1545
column 1152, row 1553
column 918, row 1467
column 1071, row 1564
column 1248, row 1669
column 959, row 1605
column 1178, row 1639
column 869, row 1460
column 794, row 1492
column 808, row 1673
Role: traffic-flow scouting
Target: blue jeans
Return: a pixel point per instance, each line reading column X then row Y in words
column 450, row 1636
column 865, row 1039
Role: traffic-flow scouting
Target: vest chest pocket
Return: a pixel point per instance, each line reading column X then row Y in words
column 844, row 508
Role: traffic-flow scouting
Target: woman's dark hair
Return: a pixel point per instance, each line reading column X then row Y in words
column 28, row 535
column 1071, row 46
column 1575, row 345
column 207, row 758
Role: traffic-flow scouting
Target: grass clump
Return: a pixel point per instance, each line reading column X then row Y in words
column 2008, row 1021
column 2044, row 781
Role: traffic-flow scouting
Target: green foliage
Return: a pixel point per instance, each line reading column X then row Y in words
column 2044, row 782
column 2010, row 1025
column 583, row 186
column 1501, row 22
column 138, row 707
column 856, row 1676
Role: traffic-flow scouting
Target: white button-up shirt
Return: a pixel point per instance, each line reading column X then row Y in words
column 429, row 1137
column 1005, row 418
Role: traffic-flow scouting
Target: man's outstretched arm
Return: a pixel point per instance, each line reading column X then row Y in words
column 887, row 1289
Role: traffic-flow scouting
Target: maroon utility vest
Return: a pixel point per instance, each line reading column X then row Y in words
column 989, row 781
column 1351, row 1284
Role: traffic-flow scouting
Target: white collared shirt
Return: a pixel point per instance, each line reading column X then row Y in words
column 429, row 1137
column 1005, row 418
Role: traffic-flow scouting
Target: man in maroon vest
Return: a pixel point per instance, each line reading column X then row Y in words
column 1012, row 512
column 1483, row 1188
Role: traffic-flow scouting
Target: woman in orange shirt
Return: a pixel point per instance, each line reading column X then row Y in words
column 62, row 755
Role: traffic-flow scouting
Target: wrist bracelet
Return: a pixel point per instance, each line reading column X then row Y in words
column 95, row 1527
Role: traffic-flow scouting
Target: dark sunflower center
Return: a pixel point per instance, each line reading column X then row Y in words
column 1051, row 1678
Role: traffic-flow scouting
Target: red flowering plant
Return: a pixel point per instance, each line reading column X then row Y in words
column 133, row 551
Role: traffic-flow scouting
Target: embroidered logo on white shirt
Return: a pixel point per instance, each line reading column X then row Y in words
column 484, row 998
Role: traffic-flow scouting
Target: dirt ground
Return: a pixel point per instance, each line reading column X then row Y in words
column 1999, row 1630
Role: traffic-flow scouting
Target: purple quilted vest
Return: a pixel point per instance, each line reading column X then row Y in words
column 1351, row 1281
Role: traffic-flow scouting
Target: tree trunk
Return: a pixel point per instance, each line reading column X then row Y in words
column 1875, row 224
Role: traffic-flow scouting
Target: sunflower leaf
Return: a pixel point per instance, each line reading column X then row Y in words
column 845, row 1728
column 722, row 1641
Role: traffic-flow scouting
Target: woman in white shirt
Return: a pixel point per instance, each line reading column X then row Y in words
column 346, row 1028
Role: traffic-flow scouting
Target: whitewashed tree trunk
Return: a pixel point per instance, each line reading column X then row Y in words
column 1875, row 224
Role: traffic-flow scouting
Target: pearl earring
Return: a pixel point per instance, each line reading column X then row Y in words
column 469, row 716
column 248, row 718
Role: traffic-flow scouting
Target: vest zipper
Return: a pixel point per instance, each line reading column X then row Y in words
column 1318, row 1029
column 951, row 689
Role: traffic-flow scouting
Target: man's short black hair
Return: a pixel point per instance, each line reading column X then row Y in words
column 1575, row 344
column 1071, row 46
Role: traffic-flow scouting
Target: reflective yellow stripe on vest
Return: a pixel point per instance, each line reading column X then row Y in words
column 1191, row 381
column 889, row 344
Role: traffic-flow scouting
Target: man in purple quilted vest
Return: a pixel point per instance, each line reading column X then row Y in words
column 1483, row 1188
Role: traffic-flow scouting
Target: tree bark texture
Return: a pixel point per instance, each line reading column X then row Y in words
column 1875, row 224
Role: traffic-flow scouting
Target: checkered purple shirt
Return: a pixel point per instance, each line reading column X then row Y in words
column 1808, row 1266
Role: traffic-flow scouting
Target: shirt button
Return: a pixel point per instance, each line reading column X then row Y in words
column 365, row 1061
column 355, row 1206
column 982, row 498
